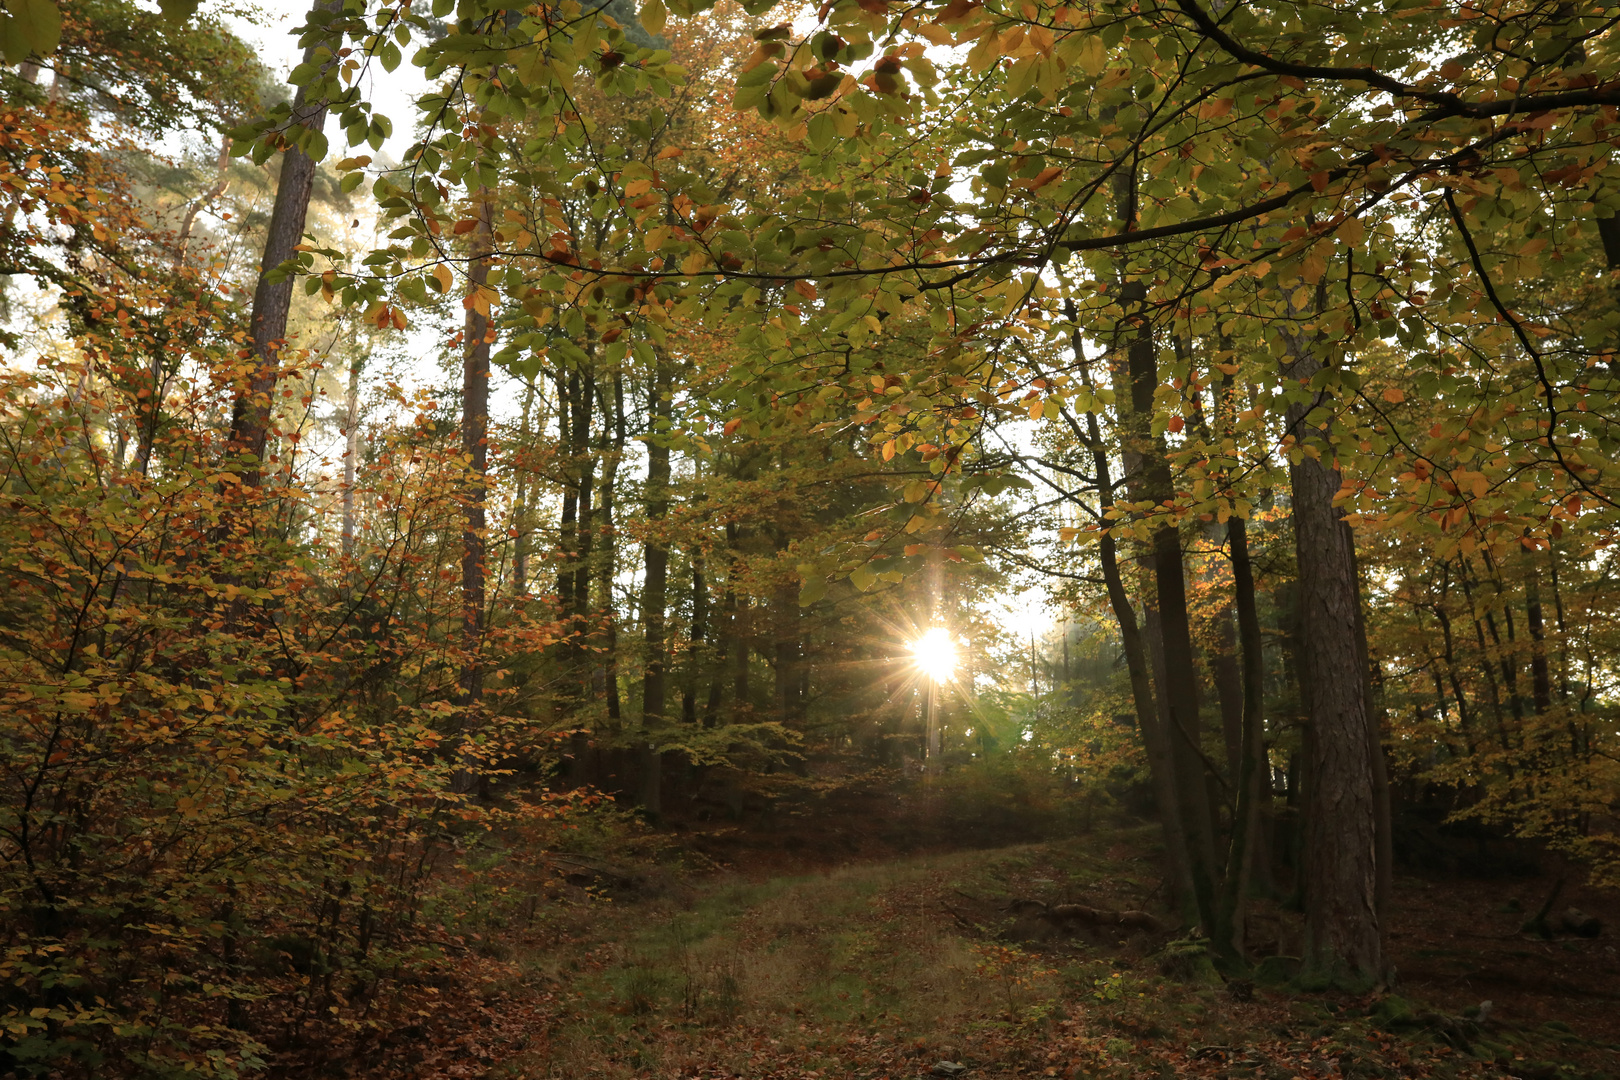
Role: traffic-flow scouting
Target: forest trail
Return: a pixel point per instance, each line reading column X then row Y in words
column 887, row 968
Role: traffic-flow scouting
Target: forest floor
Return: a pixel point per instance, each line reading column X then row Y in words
column 772, row 955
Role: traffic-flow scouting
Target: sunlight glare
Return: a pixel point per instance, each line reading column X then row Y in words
column 935, row 653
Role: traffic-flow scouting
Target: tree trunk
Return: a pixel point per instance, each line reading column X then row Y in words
column 1253, row 775
column 520, row 501
column 741, row 632
column 699, row 630
column 608, row 569
column 477, row 335
column 1342, row 938
column 1161, row 769
column 1178, row 687
column 655, row 586
column 250, row 415
column 568, row 519
column 351, row 451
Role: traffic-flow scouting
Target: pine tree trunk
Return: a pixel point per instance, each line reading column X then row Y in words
column 250, row 415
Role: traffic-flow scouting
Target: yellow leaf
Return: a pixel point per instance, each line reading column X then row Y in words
column 693, row 263
column 653, row 17
column 1093, row 55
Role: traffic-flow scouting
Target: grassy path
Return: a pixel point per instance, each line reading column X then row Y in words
column 882, row 971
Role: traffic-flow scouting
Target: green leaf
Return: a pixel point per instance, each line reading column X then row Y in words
column 821, row 131
column 34, row 26
column 178, row 10
column 653, row 17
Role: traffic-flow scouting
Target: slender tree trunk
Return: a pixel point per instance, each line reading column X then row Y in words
column 1540, row 675
column 585, row 543
column 1178, row 689
column 1228, row 673
column 188, row 220
column 1151, row 481
column 1161, row 768
column 610, row 541
column 568, row 519
column 250, row 417
column 351, row 450
column 520, row 508
column 785, row 629
column 654, row 594
column 742, row 705
column 1253, row 775
column 699, row 631
column 1341, row 873
column 477, row 335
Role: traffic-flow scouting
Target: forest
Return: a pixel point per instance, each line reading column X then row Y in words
column 753, row 539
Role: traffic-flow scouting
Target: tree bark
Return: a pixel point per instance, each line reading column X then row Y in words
column 696, row 637
column 1161, row 768
column 520, row 508
column 613, row 419
column 1252, row 777
column 250, row 415
column 1342, row 936
column 477, row 335
column 351, row 449
column 655, row 586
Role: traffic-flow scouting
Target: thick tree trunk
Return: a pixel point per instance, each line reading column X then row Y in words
column 250, row 416
column 1342, row 935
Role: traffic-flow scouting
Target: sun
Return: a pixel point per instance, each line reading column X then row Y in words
column 935, row 654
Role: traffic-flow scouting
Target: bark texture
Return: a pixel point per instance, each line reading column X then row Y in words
column 1342, row 936
column 250, row 415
